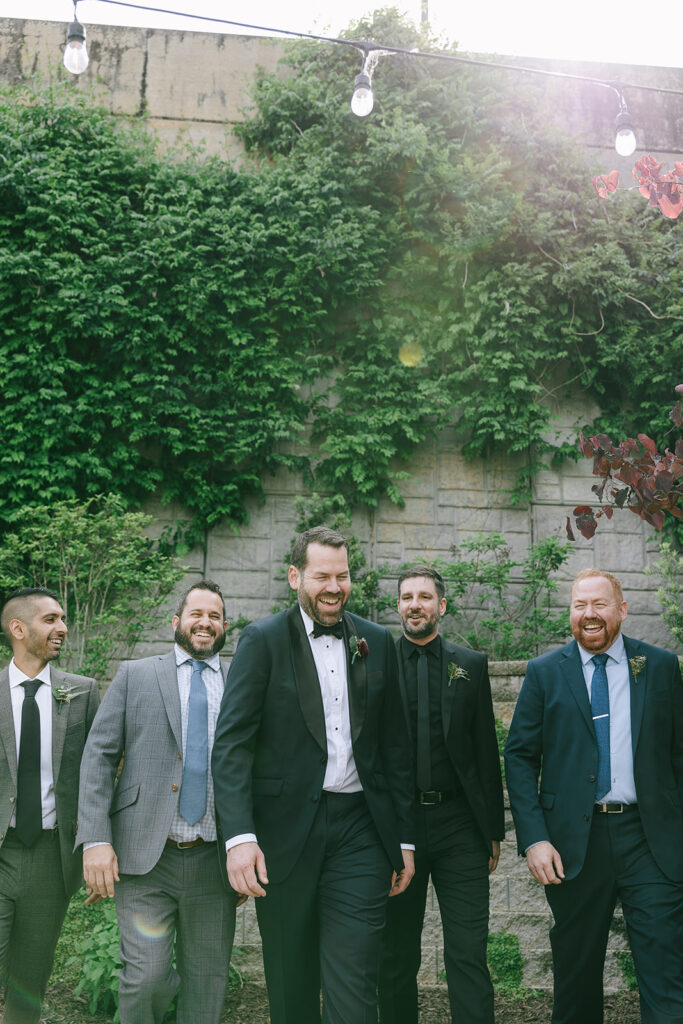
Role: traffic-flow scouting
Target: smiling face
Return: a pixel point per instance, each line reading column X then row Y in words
column 38, row 634
column 595, row 615
column 420, row 608
column 200, row 629
column 323, row 586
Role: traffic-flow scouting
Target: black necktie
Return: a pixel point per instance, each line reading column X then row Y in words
column 424, row 756
column 335, row 630
column 29, row 819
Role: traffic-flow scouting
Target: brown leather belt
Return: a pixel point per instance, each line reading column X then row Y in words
column 185, row 846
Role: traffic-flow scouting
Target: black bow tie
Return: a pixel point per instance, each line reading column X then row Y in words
column 334, row 630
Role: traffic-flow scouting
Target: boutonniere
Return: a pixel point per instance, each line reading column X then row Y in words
column 64, row 695
column 456, row 672
column 358, row 646
column 637, row 665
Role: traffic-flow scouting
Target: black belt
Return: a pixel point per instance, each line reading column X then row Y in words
column 432, row 797
column 185, row 846
column 614, row 808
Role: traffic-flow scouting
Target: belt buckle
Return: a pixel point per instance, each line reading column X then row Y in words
column 187, row 844
column 428, row 802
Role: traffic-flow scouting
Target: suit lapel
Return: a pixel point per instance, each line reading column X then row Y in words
column 356, row 675
column 60, row 717
column 402, row 686
column 637, row 688
column 447, row 692
column 306, row 678
column 572, row 671
column 167, row 678
column 7, row 736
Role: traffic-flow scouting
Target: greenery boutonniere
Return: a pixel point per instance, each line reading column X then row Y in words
column 456, row 672
column 359, row 647
column 637, row 665
column 64, row 695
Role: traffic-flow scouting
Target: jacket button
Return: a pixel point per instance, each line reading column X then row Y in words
column 12, row 799
column 586, row 818
column 591, row 778
column 174, row 788
column 180, row 756
column 323, row 760
column 315, row 799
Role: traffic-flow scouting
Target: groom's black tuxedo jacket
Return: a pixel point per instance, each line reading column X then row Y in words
column 270, row 749
column 552, row 734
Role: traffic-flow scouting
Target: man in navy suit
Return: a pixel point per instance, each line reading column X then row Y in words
column 601, row 721
column 314, row 789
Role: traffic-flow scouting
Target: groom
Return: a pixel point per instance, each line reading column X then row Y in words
column 314, row 791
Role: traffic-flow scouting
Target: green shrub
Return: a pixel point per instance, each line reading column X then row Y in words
column 506, row 964
column 98, row 955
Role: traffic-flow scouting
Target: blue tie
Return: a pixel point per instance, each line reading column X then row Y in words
column 600, row 708
column 192, row 804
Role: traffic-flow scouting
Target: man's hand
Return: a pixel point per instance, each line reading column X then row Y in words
column 100, row 870
column 495, row 856
column 545, row 863
column 400, row 882
column 246, row 868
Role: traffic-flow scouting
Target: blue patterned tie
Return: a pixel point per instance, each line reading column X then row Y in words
column 600, row 708
column 192, row 804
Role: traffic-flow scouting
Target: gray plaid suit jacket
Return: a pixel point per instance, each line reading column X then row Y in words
column 139, row 720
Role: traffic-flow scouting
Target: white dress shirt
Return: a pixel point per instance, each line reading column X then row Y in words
column 44, row 701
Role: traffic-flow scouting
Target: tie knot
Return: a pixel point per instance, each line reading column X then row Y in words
column 197, row 666
column 599, row 659
column 31, row 686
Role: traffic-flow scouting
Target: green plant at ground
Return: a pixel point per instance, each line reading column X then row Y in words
column 506, row 964
column 624, row 958
column 110, row 577
column 669, row 568
column 502, row 731
column 97, row 953
column 500, row 605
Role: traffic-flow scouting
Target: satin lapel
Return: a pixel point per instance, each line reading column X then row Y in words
column 167, row 678
column 402, row 686
column 9, row 740
column 60, row 717
column 638, row 688
column 447, row 692
column 306, row 678
column 572, row 671
column 357, row 679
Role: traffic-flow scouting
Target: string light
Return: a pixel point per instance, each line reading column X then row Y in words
column 625, row 139
column 363, row 99
column 75, row 52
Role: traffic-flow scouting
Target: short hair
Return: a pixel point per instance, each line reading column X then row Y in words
column 586, row 574
column 17, row 600
column 200, row 585
column 429, row 572
column 316, row 535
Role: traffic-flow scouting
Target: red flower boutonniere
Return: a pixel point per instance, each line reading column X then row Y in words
column 359, row 647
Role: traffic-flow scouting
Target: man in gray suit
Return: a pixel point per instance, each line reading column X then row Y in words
column 150, row 840
column 45, row 716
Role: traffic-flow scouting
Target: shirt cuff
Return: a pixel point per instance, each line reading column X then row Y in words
column 407, row 846
column 248, row 837
column 89, row 846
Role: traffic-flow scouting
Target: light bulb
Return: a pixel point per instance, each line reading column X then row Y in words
column 362, row 100
column 75, row 52
column 625, row 140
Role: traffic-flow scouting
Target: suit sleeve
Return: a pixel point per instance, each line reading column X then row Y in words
column 523, row 762
column 396, row 748
column 488, row 756
column 237, row 727
column 101, row 756
column 677, row 752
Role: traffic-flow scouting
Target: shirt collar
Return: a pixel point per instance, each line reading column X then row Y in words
column 617, row 651
column 309, row 624
column 181, row 656
column 411, row 648
column 17, row 677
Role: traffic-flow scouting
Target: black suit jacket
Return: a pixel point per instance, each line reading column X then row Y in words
column 552, row 735
column 270, row 749
column 470, row 735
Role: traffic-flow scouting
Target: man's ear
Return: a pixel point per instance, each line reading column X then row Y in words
column 294, row 577
column 17, row 629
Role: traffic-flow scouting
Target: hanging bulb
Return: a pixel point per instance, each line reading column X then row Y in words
column 75, row 52
column 362, row 100
column 625, row 141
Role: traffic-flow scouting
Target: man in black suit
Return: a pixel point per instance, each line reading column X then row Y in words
column 314, row 790
column 601, row 722
column 446, row 697
column 45, row 716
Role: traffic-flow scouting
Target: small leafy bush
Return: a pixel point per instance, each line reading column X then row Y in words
column 506, row 964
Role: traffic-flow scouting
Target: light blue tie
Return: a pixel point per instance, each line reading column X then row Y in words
column 600, row 708
column 192, row 804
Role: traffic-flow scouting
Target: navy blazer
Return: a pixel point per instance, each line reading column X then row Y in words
column 552, row 735
column 270, row 749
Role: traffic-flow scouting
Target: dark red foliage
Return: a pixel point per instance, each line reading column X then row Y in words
column 664, row 190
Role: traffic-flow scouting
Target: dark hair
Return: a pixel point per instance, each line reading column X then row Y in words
column 9, row 610
column 316, row 535
column 424, row 570
column 200, row 585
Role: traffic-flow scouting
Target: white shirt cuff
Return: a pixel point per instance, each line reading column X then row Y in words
column 248, row 837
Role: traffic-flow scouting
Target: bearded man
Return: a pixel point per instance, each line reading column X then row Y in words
column 601, row 722
column 314, row 789
column 150, row 840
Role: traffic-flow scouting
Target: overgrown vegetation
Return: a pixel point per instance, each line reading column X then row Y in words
column 506, row 964
column 110, row 576
column 669, row 568
column 179, row 327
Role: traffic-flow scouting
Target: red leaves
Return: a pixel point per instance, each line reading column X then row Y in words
column 651, row 483
column 662, row 190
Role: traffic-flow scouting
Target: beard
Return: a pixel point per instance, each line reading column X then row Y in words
column 184, row 640
column 317, row 610
column 420, row 627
